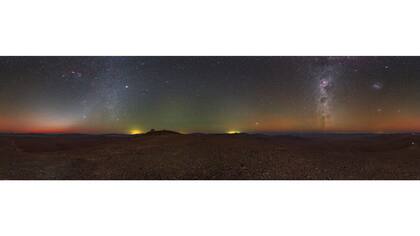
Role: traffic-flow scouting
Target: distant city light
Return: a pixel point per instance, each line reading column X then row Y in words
column 233, row 132
column 135, row 131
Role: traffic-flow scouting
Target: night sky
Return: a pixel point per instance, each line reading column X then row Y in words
column 209, row 94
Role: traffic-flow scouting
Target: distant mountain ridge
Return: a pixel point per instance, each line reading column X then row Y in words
column 161, row 132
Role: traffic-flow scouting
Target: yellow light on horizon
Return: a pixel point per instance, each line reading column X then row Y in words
column 135, row 131
column 233, row 132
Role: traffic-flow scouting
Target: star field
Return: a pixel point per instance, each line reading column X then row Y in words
column 209, row 94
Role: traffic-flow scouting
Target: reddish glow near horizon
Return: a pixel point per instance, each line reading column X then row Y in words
column 399, row 124
column 38, row 124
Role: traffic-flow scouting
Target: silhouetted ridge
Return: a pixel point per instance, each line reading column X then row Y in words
column 161, row 132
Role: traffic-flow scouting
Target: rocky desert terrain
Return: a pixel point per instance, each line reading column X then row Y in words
column 172, row 156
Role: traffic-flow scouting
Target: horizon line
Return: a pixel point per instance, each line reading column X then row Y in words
column 198, row 132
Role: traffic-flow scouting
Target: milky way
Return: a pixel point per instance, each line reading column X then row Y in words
column 325, row 79
column 324, row 101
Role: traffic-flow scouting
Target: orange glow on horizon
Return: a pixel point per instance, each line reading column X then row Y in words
column 135, row 131
column 233, row 132
column 266, row 124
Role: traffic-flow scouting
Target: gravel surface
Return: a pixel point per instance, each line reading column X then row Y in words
column 210, row 157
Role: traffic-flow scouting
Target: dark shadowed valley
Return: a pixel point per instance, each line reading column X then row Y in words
column 172, row 156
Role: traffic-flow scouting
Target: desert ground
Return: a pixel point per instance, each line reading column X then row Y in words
column 172, row 156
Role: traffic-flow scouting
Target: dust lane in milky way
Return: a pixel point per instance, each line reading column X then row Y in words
column 209, row 94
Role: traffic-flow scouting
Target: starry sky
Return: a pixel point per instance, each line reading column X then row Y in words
column 209, row 94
